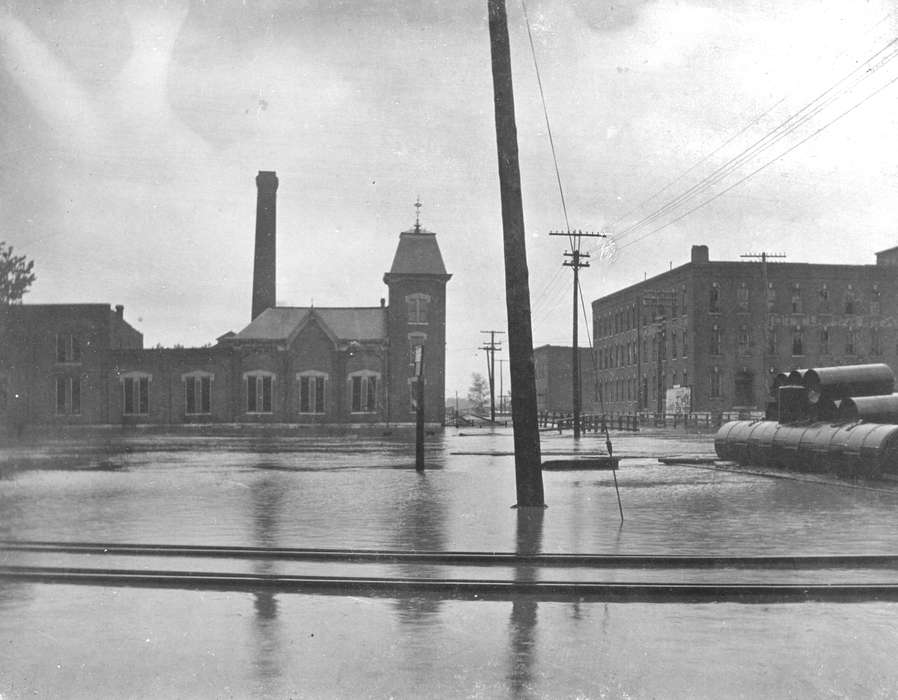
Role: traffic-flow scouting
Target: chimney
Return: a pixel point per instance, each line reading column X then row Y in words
column 265, row 259
column 119, row 311
column 700, row 254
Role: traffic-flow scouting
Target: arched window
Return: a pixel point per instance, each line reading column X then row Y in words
column 796, row 298
column 312, row 386
column 850, row 301
column 715, row 383
column 715, row 340
column 797, row 341
column 259, row 387
column 742, row 297
column 824, row 340
column 363, row 391
column 135, row 393
column 417, row 305
column 197, row 392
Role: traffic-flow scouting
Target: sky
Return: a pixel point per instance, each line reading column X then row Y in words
column 132, row 133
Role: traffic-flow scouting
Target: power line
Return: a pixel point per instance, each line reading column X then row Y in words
column 768, row 163
column 786, row 127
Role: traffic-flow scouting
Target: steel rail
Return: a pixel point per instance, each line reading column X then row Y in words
column 464, row 589
column 606, row 561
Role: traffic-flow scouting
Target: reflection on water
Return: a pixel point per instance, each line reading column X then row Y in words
column 524, row 610
column 267, row 507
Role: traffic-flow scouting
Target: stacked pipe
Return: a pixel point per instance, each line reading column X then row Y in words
column 829, row 419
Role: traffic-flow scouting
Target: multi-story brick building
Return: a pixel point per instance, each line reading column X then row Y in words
column 709, row 335
column 83, row 364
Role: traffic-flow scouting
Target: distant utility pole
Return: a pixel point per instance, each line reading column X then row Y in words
column 575, row 263
column 661, row 300
column 491, row 348
column 501, row 389
column 763, row 256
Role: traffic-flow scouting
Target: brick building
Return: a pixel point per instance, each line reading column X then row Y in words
column 554, row 386
column 84, row 364
column 709, row 335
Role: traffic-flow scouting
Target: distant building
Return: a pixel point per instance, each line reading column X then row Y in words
column 709, row 335
column 83, row 364
column 554, row 384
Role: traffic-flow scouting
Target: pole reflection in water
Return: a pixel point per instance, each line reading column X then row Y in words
column 524, row 609
column 267, row 499
column 420, row 524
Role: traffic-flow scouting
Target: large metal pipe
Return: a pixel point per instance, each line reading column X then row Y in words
column 851, row 449
column 874, row 409
column 849, row 380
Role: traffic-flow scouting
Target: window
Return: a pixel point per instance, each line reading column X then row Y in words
column 68, row 348
column 673, row 344
column 135, row 394
column 797, row 341
column 714, row 348
column 68, row 396
column 312, row 391
column 4, row 392
column 197, row 393
column 744, row 339
column 259, row 390
column 875, row 299
column 363, row 391
column 715, row 383
column 683, row 300
column 771, row 296
column 685, row 378
column 850, row 301
column 742, row 297
column 415, row 340
column 824, row 340
column 875, row 342
column 851, row 342
column 823, row 295
column 714, row 299
column 796, row 299
column 771, row 340
column 417, row 305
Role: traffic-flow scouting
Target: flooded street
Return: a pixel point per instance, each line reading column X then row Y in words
column 361, row 492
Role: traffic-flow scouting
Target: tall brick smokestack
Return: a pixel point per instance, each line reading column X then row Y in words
column 265, row 260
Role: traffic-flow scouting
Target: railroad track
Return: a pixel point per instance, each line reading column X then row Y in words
column 523, row 584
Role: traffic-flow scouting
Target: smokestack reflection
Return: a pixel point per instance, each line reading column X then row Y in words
column 266, row 496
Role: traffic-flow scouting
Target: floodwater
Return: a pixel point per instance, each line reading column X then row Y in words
column 360, row 491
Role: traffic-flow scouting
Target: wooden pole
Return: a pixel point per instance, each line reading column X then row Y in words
column 528, row 466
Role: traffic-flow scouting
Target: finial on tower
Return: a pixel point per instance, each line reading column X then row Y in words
column 418, row 215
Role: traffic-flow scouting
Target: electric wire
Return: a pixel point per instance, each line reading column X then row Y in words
column 765, row 165
column 786, row 127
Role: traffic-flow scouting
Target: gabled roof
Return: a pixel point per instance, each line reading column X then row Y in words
column 281, row 323
column 417, row 254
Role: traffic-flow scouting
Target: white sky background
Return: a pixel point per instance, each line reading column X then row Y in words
column 133, row 131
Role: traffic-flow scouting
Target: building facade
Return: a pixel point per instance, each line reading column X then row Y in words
column 710, row 335
column 554, row 384
column 83, row 364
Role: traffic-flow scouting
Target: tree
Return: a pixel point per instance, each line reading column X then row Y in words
column 478, row 392
column 15, row 275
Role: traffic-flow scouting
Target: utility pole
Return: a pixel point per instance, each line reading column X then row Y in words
column 527, row 455
column 491, row 348
column 501, row 388
column 575, row 263
column 661, row 300
column 763, row 256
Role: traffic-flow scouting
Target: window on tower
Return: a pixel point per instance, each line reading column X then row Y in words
column 417, row 305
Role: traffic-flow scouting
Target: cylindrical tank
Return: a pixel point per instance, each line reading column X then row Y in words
column 796, row 377
column 760, row 443
column 825, row 410
column 873, row 409
column 849, row 380
column 779, row 379
column 836, row 458
column 793, row 404
column 731, row 441
column 808, row 459
column 785, row 446
column 871, row 448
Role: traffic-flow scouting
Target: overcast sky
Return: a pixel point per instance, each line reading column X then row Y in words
column 133, row 131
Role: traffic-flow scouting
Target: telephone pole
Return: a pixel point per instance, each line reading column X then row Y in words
column 575, row 263
column 491, row 348
column 763, row 256
column 501, row 388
